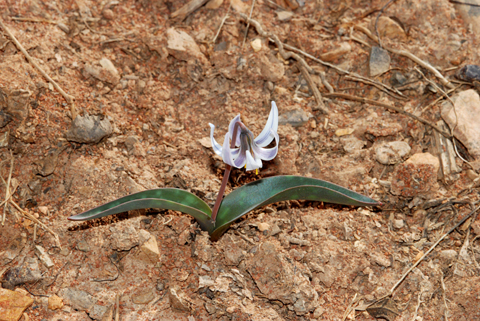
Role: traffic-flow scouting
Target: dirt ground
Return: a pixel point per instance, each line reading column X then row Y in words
column 149, row 80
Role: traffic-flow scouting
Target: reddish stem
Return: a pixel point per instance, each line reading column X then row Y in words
column 226, row 175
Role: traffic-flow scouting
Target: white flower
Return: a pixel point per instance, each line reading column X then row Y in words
column 248, row 152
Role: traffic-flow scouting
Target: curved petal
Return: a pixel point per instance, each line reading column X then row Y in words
column 234, row 152
column 217, row 148
column 252, row 163
column 272, row 124
column 267, row 153
column 231, row 126
column 240, row 161
column 226, row 153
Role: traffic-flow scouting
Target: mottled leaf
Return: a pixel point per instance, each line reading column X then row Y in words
column 164, row 198
column 281, row 188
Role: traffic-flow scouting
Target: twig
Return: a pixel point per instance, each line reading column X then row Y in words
column 382, row 88
column 285, row 54
column 221, row 24
column 313, row 86
column 187, row 9
column 418, row 306
column 7, row 187
column 444, row 296
column 411, row 56
column 70, row 99
column 363, row 42
column 398, row 110
column 431, row 249
column 117, row 307
column 325, row 82
column 33, row 20
column 248, row 23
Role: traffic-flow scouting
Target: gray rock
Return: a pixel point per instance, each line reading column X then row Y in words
column 296, row 118
column 78, row 299
column 89, row 129
column 43, row 256
column 379, row 61
column 469, row 73
column 391, row 152
column 28, row 272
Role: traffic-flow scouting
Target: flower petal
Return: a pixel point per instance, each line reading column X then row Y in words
column 252, row 163
column 240, row 161
column 232, row 126
column 272, row 124
column 226, row 153
column 267, row 153
column 217, row 148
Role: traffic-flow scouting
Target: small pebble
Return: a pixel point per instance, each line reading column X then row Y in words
column 469, row 73
column 256, row 45
column 108, row 14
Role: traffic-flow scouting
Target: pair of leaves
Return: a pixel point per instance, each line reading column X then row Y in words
column 236, row 204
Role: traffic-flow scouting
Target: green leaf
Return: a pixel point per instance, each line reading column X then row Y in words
column 281, row 188
column 164, row 198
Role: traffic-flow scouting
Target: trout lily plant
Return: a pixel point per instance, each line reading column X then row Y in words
column 240, row 150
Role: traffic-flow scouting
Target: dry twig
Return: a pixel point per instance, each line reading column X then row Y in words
column 33, row 20
column 248, row 24
column 312, row 85
column 7, row 187
column 117, row 307
column 398, row 110
column 382, row 88
column 221, row 24
column 285, row 54
column 70, row 99
column 187, row 9
column 446, row 313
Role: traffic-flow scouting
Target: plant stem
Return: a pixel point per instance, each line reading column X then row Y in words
column 226, row 175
